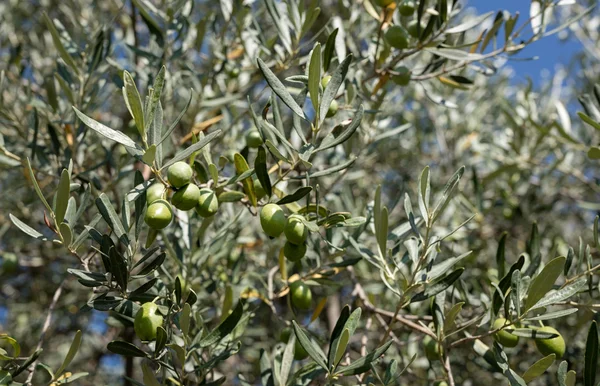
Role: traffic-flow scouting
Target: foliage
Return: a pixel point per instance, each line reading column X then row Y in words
column 416, row 193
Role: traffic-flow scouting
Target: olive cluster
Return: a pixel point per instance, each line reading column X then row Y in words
column 398, row 36
column 546, row 347
column 274, row 223
column 186, row 196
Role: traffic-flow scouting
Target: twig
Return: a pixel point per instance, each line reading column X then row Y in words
column 360, row 292
column 448, row 370
column 45, row 328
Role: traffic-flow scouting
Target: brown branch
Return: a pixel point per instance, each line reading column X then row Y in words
column 448, row 370
column 360, row 292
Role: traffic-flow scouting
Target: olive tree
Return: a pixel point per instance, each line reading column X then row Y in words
column 295, row 192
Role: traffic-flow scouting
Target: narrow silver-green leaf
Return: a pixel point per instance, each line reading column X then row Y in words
column 330, row 170
column 62, row 196
column 538, row 368
column 184, row 319
column 364, row 364
column 279, row 89
column 314, row 76
column 311, row 348
column 331, row 90
column 133, row 100
column 107, row 132
column 591, row 356
column 37, row 187
column 26, row 228
column 544, row 281
column 176, row 121
column 192, row 149
column 109, row 214
column 561, row 294
column 287, row 360
column 70, row 354
column 159, row 82
column 331, row 141
column 62, row 51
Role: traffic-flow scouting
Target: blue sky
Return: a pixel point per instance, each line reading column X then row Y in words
column 549, row 51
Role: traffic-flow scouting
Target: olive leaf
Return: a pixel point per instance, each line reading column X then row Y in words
column 192, row 149
column 279, row 89
column 125, row 348
column 133, row 101
column 591, row 356
column 109, row 133
column 331, row 90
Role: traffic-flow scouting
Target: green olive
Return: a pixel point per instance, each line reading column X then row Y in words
column 258, row 189
column 407, row 8
column 397, row 37
column 147, row 320
column 208, row 204
column 504, row 337
column 551, row 346
column 272, row 220
column 295, row 230
column 186, row 197
column 432, row 349
column 301, row 295
column 294, row 252
column 159, row 214
column 253, row 139
column 413, row 28
column 154, row 192
column 10, row 263
column 403, row 77
column 325, row 81
column 234, row 72
column 179, row 174
column 333, row 109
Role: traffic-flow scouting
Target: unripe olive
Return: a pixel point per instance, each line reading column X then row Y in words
column 147, row 320
column 413, row 28
column 504, row 337
column 186, row 197
column 325, row 80
column 179, row 174
column 407, row 8
column 253, row 139
column 441, row 383
column 551, row 346
column 234, row 72
column 159, row 214
column 10, row 263
column 333, row 109
column 258, row 189
column 397, row 37
column 295, row 230
column 272, row 220
column 208, row 204
column 299, row 351
column 383, row 3
column 403, row 77
column 301, row 295
column 432, row 349
column 154, row 192
column 294, row 252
